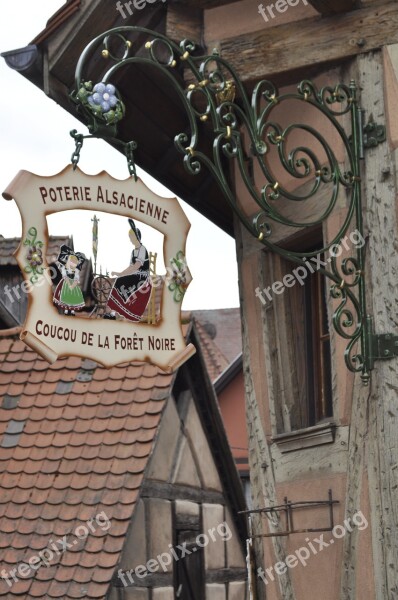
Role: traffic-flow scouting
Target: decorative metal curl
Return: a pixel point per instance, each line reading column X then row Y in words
column 247, row 130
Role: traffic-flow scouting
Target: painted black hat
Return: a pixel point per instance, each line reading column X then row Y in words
column 135, row 229
column 65, row 252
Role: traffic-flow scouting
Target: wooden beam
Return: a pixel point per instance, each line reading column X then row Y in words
column 330, row 7
column 225, row 575
column 167, row 491
column 203, row 3
column 285, row 48
column 184, row 22
column 380, row 454
column 150, row 580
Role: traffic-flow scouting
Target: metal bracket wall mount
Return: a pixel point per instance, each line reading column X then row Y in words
column 246, row 130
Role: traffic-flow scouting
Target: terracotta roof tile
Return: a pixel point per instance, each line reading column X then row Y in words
column 57, row 590
column 19, row 588
column 47, row 574
column 38, row 589
column 113, row 385
column 24, row 367
column 94, row 590
column 134, row 371
column 20, row 496
column 97, row 386
column 80, row 387
column 19, row 541
column 9, row 367
column 41, row 365
column 14, row 357
column 15, row 389
column 5, row 345
column 73, row 362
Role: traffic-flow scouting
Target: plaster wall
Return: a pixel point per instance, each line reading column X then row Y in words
column 232, row 406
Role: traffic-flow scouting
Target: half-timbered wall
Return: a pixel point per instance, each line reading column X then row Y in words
column 354, row 452
column 181, row 498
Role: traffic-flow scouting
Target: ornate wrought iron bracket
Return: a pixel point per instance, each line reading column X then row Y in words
column 307, row 174
column 288, row 508
column 382, row 346
column 373, row 135
column 370, row 135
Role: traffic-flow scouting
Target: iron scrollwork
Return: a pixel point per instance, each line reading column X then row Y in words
column 245, row 131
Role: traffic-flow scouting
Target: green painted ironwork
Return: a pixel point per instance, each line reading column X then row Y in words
column 246, row 131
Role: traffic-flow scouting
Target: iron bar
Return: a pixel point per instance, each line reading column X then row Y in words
column 288, row 507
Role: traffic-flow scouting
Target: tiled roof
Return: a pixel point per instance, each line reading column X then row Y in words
column 220, row 337
column 87, row 435
column 215, row 361
column 224, row 327
column 9, row 245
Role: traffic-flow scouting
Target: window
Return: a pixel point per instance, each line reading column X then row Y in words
column 189, row 579
column 319, row 387
column 189, row 583
column 299, row 345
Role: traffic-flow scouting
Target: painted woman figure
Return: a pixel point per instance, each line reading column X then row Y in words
column 68, row 294
column 132, row 289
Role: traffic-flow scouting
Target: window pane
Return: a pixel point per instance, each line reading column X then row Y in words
column 299, row 340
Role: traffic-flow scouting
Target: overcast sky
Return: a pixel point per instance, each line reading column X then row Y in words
column 35, row 137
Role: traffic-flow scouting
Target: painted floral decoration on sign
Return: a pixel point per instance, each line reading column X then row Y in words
column 34, row 256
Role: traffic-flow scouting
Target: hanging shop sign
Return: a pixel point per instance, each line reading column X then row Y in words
column 137, row 312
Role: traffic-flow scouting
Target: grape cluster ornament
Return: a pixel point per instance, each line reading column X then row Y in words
column 103, row 101
column 104, row 96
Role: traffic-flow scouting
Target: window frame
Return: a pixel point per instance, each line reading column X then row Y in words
column 285, row 394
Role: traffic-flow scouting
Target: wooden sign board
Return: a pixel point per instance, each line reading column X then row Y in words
column 47, row 329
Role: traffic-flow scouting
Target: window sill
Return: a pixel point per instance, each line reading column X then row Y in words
column 317, row 435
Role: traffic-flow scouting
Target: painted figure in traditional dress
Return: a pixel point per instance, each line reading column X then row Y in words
column 68, row 294
column 132, row 288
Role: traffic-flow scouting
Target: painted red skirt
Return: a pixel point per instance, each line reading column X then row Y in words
column 133, row 308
